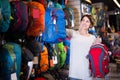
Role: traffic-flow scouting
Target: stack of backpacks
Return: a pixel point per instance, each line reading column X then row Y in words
column 33, row 43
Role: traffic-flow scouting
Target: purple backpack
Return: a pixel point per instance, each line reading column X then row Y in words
column 19, row 17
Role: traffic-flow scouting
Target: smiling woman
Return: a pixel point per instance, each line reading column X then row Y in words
column 80, row 43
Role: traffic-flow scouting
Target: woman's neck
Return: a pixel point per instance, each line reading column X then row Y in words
column 84, row 32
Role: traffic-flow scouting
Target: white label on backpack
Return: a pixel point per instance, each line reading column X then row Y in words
column 35, row 60
column 72, row 23
column 54, row 58
column 13, row 76
column 54, row 21
column 30, row 64
column 66, row 22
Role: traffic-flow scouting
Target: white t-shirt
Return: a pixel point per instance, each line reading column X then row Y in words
column 79, row 48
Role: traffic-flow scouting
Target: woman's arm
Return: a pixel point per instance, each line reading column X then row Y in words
column 69, row 32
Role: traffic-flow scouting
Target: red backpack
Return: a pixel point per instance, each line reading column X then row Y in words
column 98, row 57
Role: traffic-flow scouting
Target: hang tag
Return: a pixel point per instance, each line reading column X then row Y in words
column 66, row 22
column 54, row 58
column 30, row 64
column 59, row 52
column 51, row 63
column 13, row 76
column 53, row 45
column 54, row 21
column 35, row 60
column 72, row 23
column 3, row 42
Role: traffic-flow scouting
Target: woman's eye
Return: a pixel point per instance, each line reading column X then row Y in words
column 88, row 21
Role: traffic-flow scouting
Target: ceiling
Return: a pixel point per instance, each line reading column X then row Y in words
column 110, row 3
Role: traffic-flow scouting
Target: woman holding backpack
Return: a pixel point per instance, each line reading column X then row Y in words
column 80, row 43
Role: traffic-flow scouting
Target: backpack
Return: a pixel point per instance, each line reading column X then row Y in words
column 66, row 43
column 61, row 2
column 54, row 59
column 41, row 1
column 101, row 18
column 98, row 57
column 27, row 57
column 69, row 16
column 43, row 61
column 35, row 47
column 57, row 55
column 10, row 58
column 40, row 78
column 62, row 54
column 18, row 21
column 5, row 13
column 54, row 31
column 92, row 31
column 36, row 19
column 43, row 57
column 19, row 14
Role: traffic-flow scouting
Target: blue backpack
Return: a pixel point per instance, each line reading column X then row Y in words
column 10, row 61
column 54, row 25
column 93, row 31
column 66, row 43
column 5, row 13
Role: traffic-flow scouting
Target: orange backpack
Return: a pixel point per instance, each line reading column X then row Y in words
column 36, row 19
column 44, row 61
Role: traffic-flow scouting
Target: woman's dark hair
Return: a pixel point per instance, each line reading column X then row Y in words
column 90, row 17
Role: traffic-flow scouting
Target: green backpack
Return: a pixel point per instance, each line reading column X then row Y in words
column 5, row 13
column 62, row 54
column 57, row 55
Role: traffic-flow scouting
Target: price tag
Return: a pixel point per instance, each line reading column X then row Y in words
column 54, row 58
column 35, row 60
column 30, row 64
column 66, row 22
column 54, row 21
column 13, row 76
column 51, row 63
column 73, row 23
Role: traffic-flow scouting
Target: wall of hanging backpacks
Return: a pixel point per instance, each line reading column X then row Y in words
column 33, row 41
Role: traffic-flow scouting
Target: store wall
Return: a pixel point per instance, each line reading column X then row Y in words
column 75, row 5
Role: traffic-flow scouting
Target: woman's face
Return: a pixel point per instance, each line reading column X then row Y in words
column 85, row 23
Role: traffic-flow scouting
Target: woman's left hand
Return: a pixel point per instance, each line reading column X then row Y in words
column 97, row 40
